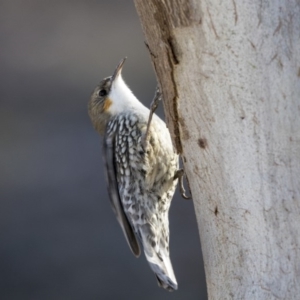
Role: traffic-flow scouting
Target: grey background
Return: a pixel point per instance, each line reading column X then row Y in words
column 59, row 238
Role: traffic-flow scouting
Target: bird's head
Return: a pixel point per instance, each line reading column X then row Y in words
column 108, row 98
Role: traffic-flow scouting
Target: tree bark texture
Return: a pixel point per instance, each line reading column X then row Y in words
column 230, row 76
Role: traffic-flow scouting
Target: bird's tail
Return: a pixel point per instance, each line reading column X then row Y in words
column 155, row 240
column 160, row 264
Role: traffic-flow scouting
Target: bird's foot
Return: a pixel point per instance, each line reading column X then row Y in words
column 179, row 175
column 153, row 107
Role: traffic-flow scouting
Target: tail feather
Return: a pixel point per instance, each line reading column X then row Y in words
column 169, row 287
column 155, row 242
column 162, row 267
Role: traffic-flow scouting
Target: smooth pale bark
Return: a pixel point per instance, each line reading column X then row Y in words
column 230, row 77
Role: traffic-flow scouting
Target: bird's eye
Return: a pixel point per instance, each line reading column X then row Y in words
column 102, row 93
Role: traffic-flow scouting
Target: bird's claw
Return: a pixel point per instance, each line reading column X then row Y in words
column 153, row 107
column 179, row 175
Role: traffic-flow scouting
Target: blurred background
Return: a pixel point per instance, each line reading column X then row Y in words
column 59, row 238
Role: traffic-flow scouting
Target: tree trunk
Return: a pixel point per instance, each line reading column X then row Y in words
column 230, row 76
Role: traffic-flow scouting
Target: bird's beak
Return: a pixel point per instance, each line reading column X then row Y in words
column 118, row 70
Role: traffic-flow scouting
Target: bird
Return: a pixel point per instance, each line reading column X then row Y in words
column 141, row 170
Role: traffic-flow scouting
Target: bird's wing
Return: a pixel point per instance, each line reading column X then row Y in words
column 109, row 159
